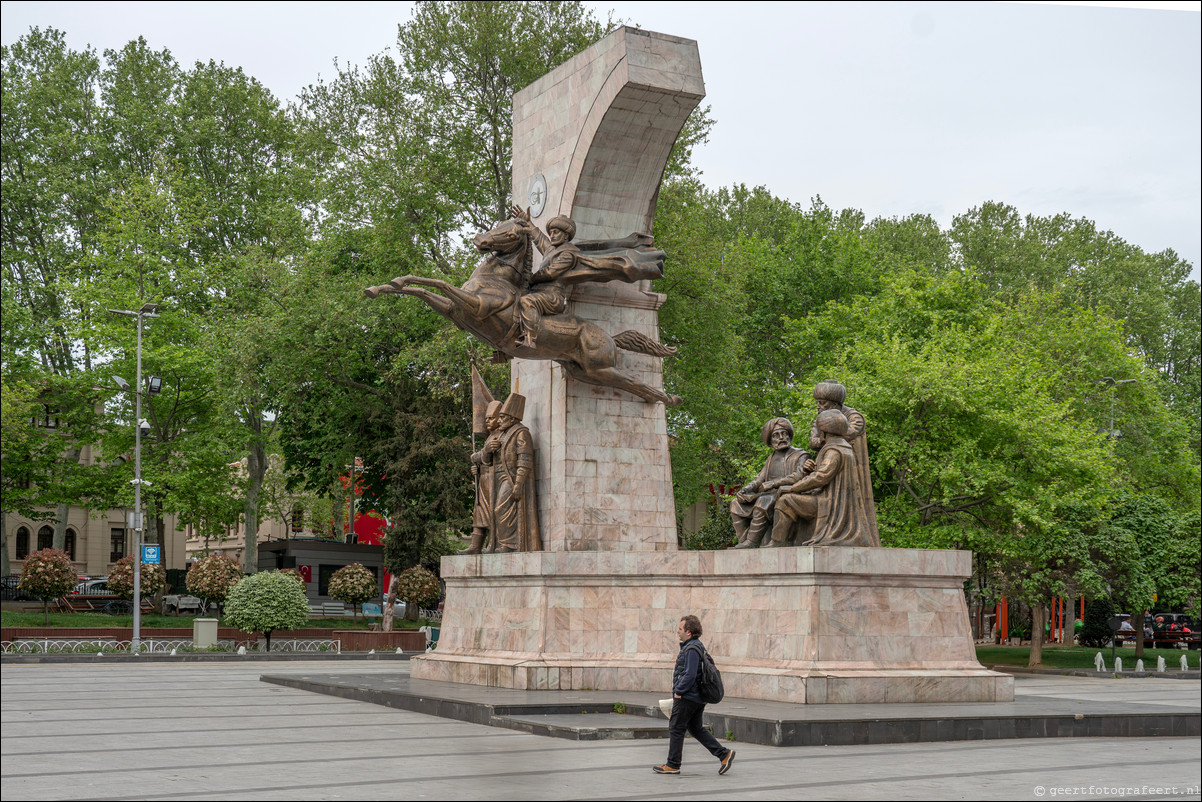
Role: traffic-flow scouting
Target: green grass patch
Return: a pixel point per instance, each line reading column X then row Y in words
column 1082, row 657
column 149, row 620
column 157, row 620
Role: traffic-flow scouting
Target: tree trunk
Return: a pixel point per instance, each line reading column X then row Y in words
column 1037, row 618
column 60, row 516
column 1139, row 634
column 336, row 503
column 5, row 567
column 267, row 634
column 256, row 467
column 389, row 601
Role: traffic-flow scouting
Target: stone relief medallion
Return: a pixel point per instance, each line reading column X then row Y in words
column 536, row 198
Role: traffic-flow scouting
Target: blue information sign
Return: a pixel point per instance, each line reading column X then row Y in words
column 152, row 555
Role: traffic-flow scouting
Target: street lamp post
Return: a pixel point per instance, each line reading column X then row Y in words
column 135, row 644
column 1113, row 384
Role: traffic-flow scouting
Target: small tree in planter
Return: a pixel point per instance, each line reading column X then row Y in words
column 121, row 579
column 354, row 585
column 212, row 577
column 47, row 574
column 417, row 587
column 265, row 602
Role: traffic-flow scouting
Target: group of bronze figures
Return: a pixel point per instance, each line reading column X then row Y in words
column 798, row 499
column 803, row 500
column 505, row 517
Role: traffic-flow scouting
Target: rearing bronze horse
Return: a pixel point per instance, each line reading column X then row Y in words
column 486, row 305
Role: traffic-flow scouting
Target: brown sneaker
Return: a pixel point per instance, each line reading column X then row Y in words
column 726, row 761
column 665, row 769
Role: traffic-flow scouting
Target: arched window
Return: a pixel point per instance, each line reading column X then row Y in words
column 69, row 544
column 45, row 537
column 22, row 543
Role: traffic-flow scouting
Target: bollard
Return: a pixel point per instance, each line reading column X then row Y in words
column 1139, row 666
column 1099, row 662
column 1118, row 665
column 1184, row 663
column 1160, row 666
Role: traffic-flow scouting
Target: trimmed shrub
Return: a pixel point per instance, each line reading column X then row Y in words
column 418, row 587
column 48, row 574
column 212, row 577
column 265, row 602
column 354, row 585
column 121, row 579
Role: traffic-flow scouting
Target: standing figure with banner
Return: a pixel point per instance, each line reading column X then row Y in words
column 511, row 452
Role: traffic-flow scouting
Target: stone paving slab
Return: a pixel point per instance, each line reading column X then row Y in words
column 1061, row 707
column 208, row 731
column 586, row 726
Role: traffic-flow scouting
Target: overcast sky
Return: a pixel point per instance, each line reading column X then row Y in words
column 890, row 108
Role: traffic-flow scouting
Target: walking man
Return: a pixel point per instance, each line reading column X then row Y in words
column 688, row 708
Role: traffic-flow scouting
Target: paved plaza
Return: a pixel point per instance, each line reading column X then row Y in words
column 215, row 731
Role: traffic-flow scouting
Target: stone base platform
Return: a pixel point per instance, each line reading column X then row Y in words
column 1067, row 708
column 809, row 625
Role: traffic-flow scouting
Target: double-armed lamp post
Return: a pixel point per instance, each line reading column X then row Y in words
column 147, row 310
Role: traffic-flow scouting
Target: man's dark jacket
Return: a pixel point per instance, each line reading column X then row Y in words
column 688, row 671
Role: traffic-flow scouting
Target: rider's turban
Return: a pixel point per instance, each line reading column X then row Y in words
column 564, row 224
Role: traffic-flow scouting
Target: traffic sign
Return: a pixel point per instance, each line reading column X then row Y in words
column 152, row 555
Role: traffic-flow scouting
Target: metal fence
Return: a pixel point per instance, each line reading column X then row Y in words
column 9, row 590
column 161, row 646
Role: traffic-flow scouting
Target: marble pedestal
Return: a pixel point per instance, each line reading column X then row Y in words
column 800, row 624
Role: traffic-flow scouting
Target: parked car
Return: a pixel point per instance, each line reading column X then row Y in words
column 399, row 608
column 92, row 587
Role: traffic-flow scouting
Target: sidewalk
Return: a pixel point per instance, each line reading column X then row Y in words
column 215, row 731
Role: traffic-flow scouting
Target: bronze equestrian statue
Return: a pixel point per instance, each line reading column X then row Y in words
column 489, row 304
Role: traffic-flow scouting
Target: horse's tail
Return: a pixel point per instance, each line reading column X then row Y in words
column 641, row 343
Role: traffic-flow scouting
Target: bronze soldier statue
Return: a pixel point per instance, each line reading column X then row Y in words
column 510, row 451
column 546, row 295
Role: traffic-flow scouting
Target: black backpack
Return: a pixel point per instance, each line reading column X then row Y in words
column 709, row 678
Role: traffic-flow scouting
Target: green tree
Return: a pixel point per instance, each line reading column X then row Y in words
column 53, row 183
column 461, row 63
column 266, row 602
column 987, row 430
column 1152, row 294
column 741, row 264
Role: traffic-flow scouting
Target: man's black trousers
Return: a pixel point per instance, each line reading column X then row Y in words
column 686, row 717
